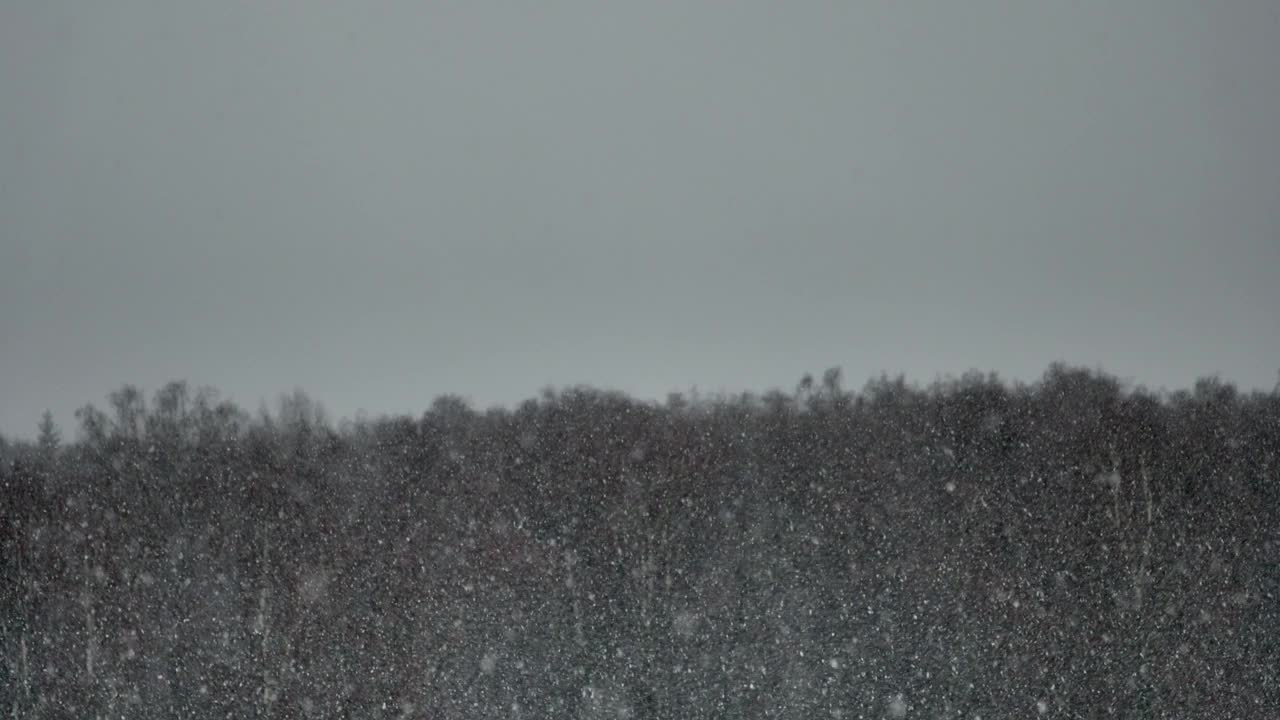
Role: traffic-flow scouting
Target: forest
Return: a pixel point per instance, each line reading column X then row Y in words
column 1073, row 547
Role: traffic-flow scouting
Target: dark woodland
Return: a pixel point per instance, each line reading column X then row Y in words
column 1069, row 548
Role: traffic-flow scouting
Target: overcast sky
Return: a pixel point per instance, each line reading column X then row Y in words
column 383, row 202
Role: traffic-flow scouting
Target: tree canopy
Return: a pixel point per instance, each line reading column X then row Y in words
column 973, row 548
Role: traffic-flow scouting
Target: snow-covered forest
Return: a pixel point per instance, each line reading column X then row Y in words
column 1071, row 548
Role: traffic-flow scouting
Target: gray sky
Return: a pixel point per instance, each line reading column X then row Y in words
column 382, row 202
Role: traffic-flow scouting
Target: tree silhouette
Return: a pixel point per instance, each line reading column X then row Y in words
column 1069, row 546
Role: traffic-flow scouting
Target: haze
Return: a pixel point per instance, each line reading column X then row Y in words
column 384, row 202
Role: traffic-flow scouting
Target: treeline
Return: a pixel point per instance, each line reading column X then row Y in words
column 1071, row 548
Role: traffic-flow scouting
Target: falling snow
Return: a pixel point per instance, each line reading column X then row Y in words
column 1094, row 552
